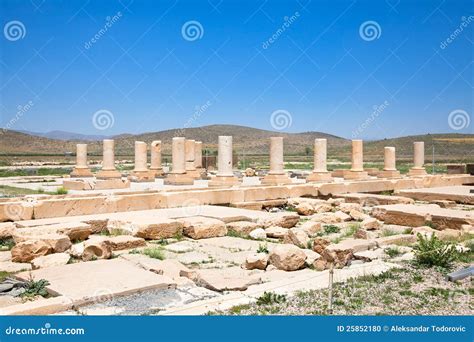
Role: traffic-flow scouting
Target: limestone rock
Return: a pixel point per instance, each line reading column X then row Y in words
column 348, row 207
column 445, row 234
column 242, row 227
column 297, row 237
column 121, row 242
column 59, row 243
column 227, row 279
column 257, row 261
column 311, row 256
column 258, row 234
column 76, row 250
column 284, row 219
column 305, row 209
column 154, row 228
column 287, row 257
column 96, row 249
column 322, row 208
column 28, row 250
column 199, row 227
column 249, row 172
column 357, row 215
column 371, row 224
column 343, row 216
column 356, row 245
column 319, row 244
column 336, row 201
column 276, row 232
column 311, row 228
column 13, row 267
column 7, row 230
column 51, row 260
column 370, row 255
column 403, row 239
column 364, row 234
column 331, row 218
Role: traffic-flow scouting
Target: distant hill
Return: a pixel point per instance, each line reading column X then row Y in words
column 247, row 140
column 62, row 135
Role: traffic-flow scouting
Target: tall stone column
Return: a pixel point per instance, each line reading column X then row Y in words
column 390, row 169
column 177, row 175
column 108, row 163
column 277, row 174
column 320, row 172
column 198, row 154
column 418, row 159
column 140, row 171
column 190, row 152
column 357, row 169
column 155, row 164
column 81, row 169
column 225, row 175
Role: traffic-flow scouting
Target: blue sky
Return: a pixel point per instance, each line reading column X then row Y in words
column 309, row 63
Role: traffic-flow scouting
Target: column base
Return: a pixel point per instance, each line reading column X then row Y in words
column 107, row 174
column 142, row 176
column 372, row 171
column 417, row 172
column 159, row 173
column 389, row 174
column 355, row 175
column 272, row 179
column 223, row 181
column 178, row 179
column 194, row 174
column 319, row 177
column 81, row 172
column 339, row 173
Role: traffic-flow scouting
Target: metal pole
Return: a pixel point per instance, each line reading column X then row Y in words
column 331, row 277
column 433, row 162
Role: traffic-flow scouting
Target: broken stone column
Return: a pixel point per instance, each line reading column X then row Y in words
column 190, row 152
column 81, row 169
column 198, row 155
column 277, row 174
column 418, row 159
column 390, row 169
column 320, row 172
column 140, row 171
column 177, row 175
column 108, row 163
column 155, row 165
column 225, row 175
column 357, row 169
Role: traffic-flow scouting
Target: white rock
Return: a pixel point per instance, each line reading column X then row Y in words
column 258, row 234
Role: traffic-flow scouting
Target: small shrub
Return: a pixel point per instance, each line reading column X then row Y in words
column 388, row 232
column 392, row 252
column 263, row 248
column 431, row 251
column 269, row 298
column 35, row 288
column 154, row 252
column 6, row 244
column 330, row 229
column 61, row 191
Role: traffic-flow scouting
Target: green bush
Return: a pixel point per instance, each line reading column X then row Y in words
column 431, row 251
column 269, row 298
column 35, row 288
column 262, row 249
column 154, row 252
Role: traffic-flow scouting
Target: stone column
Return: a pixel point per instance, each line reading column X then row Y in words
column 155, row 165
column 81, row 169
column 177, row 175
column 198, row 154
column 320, row 172
column 225, row 175
column 357, row 169
column 140, row 171
column 390, row 169
column 277, row 174
column 108, row 163
column 418, row 159
column 190, row 152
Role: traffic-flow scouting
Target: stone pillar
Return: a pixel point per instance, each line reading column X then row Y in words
column 108, row 163
column 418, row 159
column 357, row 169
column 140, row 171
column 177, row 175
column 198, row 154
column 81, row 169
column 277, row 174
column 155, row 164
column 190, row 152
column 320, row 172
column 390, row 169
column 225, row 175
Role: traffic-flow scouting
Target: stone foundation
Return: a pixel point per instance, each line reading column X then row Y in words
column 416, row 172
column 178, row 179
column 389, row 174
column 276, row 179
column 355, row 175
column 81, row 172
column 142, row 176
column 108, row 174
column 224, row 181
column 319, row 177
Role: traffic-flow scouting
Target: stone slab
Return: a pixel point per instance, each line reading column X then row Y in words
column 459, row 194
column 86, row 282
